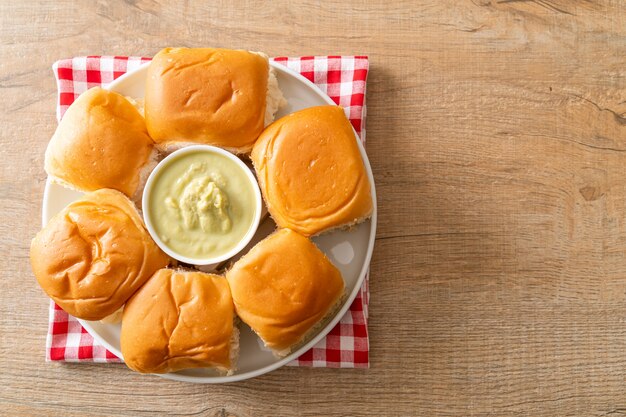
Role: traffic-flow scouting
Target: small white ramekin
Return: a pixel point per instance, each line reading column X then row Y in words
column 148, row 221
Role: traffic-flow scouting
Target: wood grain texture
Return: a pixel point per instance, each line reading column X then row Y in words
column 497, row 135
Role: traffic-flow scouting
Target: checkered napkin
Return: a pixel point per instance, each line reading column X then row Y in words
column 343, row 78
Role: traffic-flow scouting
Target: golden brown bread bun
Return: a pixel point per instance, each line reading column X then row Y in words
column 283, row 288
column 93, row 255
column 101, row 142
column 311, row 172
column 206, row 95
column 178, row 320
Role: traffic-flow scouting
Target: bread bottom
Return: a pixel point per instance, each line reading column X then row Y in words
column 347, row 226
column 312, row 331
column 64, row 184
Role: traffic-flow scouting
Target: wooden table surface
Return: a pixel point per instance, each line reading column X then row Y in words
column 497, row 136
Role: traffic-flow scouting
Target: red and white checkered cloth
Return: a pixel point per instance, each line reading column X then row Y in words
column 343, row 78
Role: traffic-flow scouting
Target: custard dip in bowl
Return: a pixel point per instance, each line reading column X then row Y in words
column 201, row 205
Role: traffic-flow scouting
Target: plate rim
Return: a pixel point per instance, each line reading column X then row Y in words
column 338, row 315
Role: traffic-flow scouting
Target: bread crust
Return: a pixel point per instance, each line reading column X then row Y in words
column 311, row 173
column 94, row 254
column 207, row 95
column 283, row 287
column 101, row 142
column 177, row 320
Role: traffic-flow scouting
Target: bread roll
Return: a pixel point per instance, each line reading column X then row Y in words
column 311, row 172
column 178, row 320
column 284, row 289
column 206, row 95
column 93, row 255
column 101, row 142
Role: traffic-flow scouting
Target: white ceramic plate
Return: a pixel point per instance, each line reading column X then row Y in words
column 349, row 251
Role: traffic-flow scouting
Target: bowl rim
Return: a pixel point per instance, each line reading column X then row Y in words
column 163, row 164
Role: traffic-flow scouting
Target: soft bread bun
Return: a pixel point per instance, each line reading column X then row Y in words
column 101, row 142
column 206, row 95
column 311, row 173
column 284, row 288
column 178, row 320
column 93, row 255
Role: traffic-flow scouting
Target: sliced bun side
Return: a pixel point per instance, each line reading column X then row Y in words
column 275, row 99
column 311, row 173
column 153, row 160
column 179, row 320
column 234, row 347
column 101, row 142
column 207, row 95
column 283, row 288
column 93, row 255
column 167, row 148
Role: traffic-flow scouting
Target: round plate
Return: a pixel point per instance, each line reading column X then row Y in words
column 350, row 251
